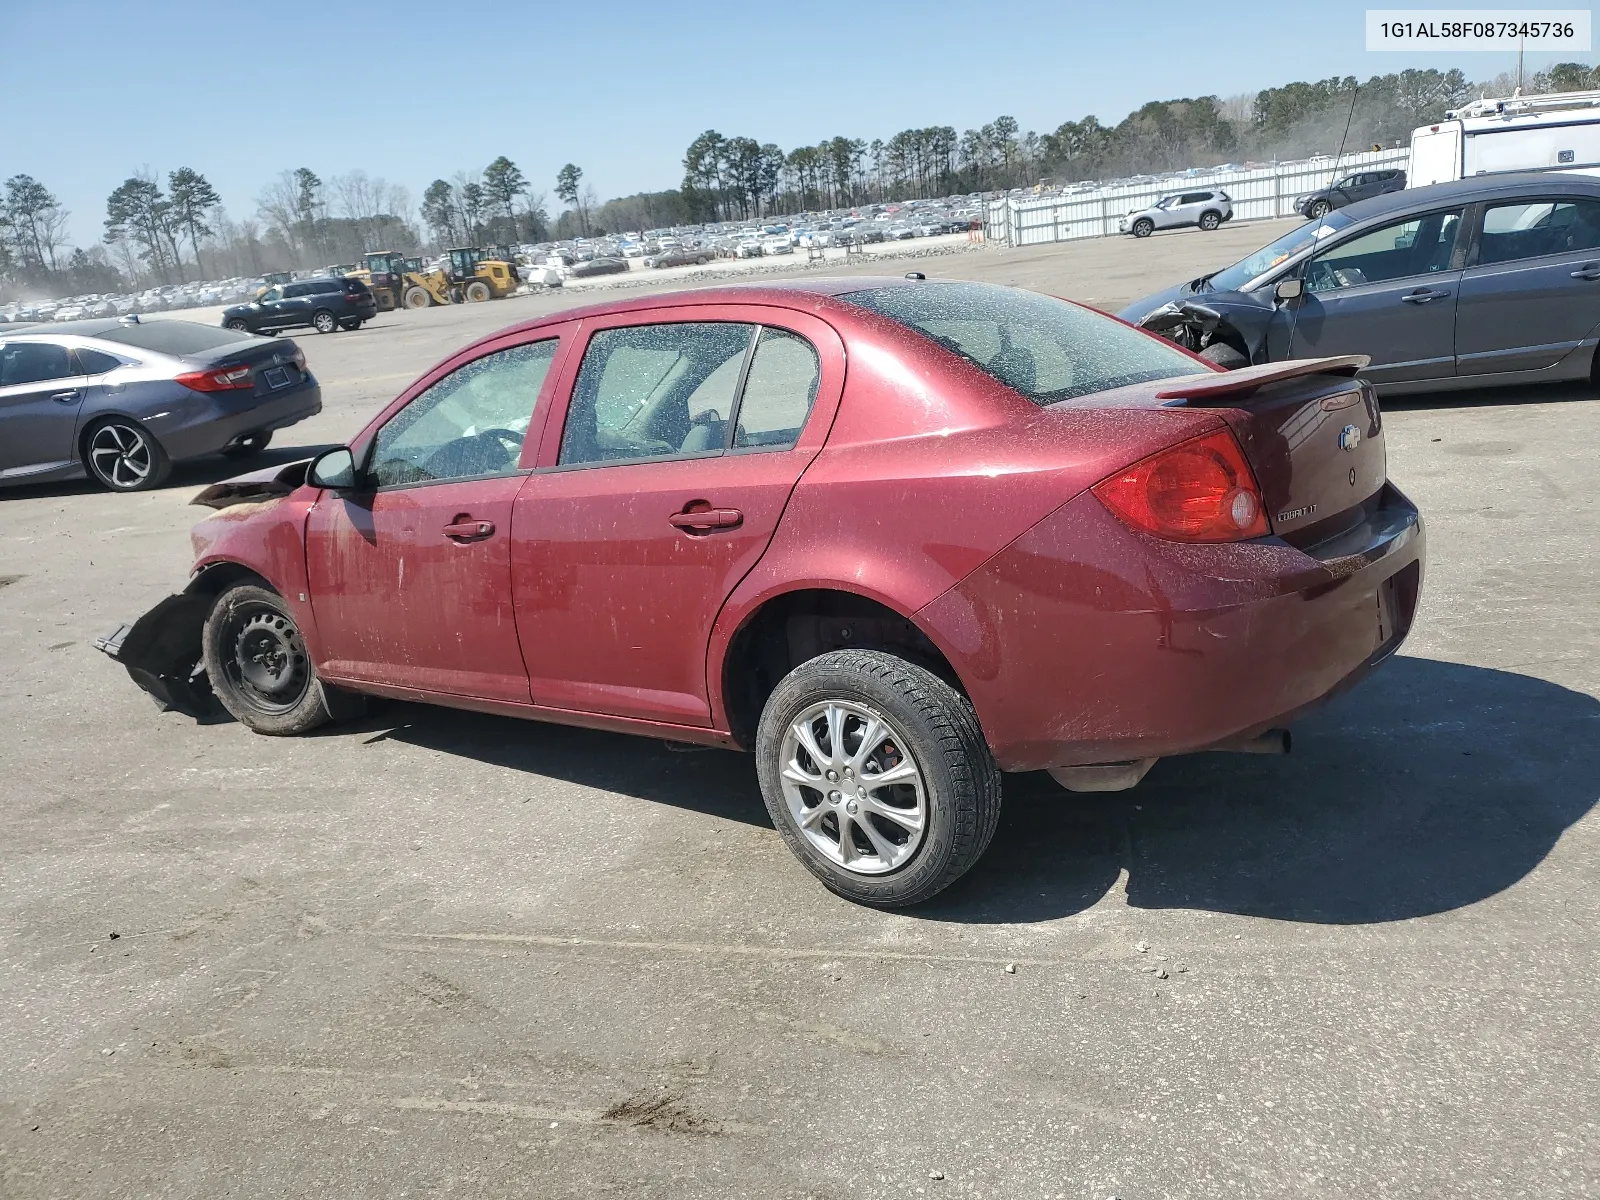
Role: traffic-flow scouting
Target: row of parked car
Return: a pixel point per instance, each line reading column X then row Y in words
column 162, row 299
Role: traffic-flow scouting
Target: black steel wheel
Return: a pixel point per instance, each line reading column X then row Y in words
column 258, row 664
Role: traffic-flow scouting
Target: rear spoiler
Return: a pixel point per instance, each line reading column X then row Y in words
column 1223, row 386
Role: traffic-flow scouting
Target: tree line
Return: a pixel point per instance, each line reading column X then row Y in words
column 167, row 230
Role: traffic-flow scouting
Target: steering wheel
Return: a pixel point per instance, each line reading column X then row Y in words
column 508, row 438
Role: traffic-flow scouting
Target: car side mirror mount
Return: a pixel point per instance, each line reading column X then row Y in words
column 335, row 470
column 1289, row 289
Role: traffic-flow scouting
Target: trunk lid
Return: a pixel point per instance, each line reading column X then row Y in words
column 1312, row 433
column 274, row 362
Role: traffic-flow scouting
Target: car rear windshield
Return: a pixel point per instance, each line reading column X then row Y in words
column 173, row 337
column 1045, row 348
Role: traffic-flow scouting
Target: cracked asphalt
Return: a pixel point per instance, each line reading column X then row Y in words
column 442, row 954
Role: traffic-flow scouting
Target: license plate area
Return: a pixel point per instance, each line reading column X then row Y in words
column 276, row 377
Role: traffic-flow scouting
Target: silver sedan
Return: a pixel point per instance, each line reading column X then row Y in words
column 121, row 400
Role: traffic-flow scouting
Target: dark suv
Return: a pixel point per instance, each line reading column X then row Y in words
column 1363, row 185
column 324, row 304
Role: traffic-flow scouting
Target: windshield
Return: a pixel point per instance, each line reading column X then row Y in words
column 1164, row 202
column 1231, row 279
column 1042, row 347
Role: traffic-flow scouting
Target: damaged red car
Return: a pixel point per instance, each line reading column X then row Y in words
column 894, row 536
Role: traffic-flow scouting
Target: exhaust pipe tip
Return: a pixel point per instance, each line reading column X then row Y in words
column 1273, row 741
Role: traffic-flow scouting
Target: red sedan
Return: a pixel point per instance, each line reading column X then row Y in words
column 894, row 536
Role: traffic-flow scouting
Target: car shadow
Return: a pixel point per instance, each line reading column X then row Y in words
column 1430, row 786
column 1532, row 393
column 190, row 472
column 708, row 780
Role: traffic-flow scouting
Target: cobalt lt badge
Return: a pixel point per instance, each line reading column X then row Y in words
column 1349, row 437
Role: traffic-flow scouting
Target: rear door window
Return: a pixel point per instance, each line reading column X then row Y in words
column 778, row 392
column 96, row 362
column 655, row 391
column 1534, row 228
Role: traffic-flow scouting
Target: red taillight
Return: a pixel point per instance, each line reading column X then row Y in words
column 1198, row 491
column 218, row 379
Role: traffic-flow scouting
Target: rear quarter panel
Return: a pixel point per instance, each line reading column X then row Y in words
column 931, row 468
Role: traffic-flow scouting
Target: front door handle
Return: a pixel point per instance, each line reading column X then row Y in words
column 1423, row 295
column 67, row 396
column 1589, row 271
column 465, row 529
column 702, row 519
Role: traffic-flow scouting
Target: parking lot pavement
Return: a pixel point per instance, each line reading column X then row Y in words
column 445, row 954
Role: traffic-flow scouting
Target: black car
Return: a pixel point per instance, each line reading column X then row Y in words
column 1363, row 185
column 604, row 265
column 324, row 304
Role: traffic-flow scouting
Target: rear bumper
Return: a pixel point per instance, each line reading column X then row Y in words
column 1086, row 642
column 211, row 422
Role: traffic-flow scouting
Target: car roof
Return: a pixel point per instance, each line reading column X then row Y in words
column 1478, row 187
column 804, row 295
column 86, row 328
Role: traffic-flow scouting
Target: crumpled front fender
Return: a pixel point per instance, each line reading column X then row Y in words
column 162, row 654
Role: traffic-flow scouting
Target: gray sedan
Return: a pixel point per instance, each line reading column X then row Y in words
column 122, row 399
column 1480, row 282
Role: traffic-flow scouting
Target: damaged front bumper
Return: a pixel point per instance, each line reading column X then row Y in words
column 163, row 655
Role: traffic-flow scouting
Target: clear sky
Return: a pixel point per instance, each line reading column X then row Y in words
column 414, row 91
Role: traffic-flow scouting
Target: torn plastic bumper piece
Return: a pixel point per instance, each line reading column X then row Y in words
column 162, row 654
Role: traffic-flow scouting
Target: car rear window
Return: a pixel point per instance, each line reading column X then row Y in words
column 173, row 337
column 1045, row 348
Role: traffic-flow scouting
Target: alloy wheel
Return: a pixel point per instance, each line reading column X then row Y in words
column 853, row 789
column 121, row 456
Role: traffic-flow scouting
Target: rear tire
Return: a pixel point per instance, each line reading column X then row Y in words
column 122, row 455
column 923, row 835
column 258, row 664
column 349, row 326
column 477, row 292
column 323, row 321
column 415, row 297
column 1210, row 221
column 1143, row 227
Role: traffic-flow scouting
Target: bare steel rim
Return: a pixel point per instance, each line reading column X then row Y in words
column 120, row 455
column 853, row 788
column 268, row 664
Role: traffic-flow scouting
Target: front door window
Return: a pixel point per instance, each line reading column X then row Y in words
column 1418, row 246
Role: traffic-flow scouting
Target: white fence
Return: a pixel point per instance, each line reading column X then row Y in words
column 1258, row 194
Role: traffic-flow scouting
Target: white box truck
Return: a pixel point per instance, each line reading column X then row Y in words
column 1558, row 132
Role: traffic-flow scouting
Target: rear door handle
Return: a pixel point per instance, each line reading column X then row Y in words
column 465, row 529
column 1589, row 271
column 1423, row 295
column 67, row 396
column 707, row 518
